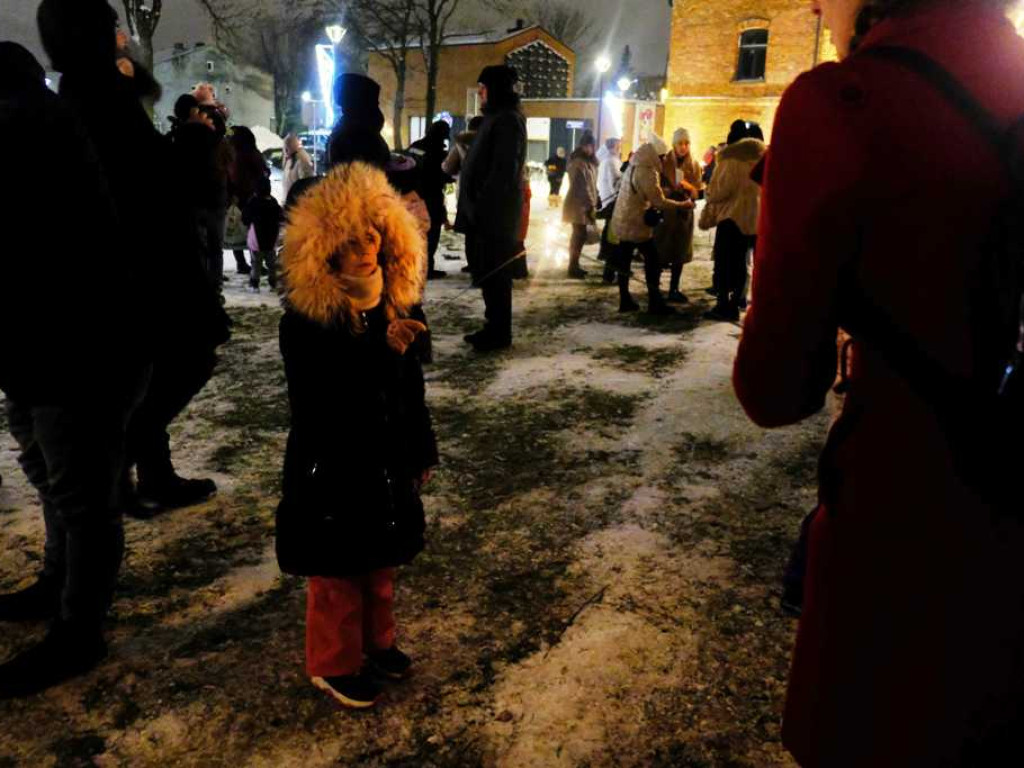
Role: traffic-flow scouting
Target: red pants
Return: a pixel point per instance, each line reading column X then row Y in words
column 345, row 618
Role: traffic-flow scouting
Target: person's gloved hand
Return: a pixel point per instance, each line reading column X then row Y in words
column 402, row 333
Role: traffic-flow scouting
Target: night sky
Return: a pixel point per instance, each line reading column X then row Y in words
column 183, row 21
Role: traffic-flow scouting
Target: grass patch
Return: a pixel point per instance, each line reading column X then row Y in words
column 637, row 359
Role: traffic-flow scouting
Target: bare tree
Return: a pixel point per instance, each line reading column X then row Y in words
column 391, row 29
column 142, row 21
column 435, row 19
column 275, row 37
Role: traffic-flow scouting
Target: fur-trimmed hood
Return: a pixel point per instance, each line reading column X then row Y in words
column 745, row 150
column 351, row 199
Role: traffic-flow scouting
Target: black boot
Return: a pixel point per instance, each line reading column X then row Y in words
column 172, row 492
column 576, row 272
column 626, row 303
column 68, row 651
column 39, row 601
column 675, row 296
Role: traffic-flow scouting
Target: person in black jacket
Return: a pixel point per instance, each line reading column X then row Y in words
column 432, row 151
column 361, row 444
column 189, row 322
column 557, row 165
column 263, row 215
column 72, row 331
column 491, row 202
column 356, row 135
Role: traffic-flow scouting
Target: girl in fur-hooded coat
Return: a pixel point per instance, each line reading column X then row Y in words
column 361, row 443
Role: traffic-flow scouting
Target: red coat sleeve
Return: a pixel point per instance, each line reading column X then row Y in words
column 807, row 231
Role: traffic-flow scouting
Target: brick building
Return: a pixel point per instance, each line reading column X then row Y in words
column 732, row 59
column 545, row 65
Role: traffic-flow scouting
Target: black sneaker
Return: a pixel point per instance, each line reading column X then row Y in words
column 473, row 338
column 608, row 276
column 175, row 493
column 577, row 274
column 65, row 653
column 352, row 691
column 37, row 602
column 677, row 297
column 243, row 270
column 392, row 663
column 628, row 306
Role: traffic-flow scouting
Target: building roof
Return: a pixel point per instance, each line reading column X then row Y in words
column 479, row 38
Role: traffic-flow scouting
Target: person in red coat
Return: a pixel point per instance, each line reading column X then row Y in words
column 909, row 649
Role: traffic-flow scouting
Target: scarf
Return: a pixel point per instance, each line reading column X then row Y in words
column 364, row 293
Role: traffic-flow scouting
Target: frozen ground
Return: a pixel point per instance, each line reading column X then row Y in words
column 606, row 537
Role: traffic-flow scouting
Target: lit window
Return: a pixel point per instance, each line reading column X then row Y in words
column 753, row 53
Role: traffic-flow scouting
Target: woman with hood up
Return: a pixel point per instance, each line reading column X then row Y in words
column 640, row 198
column 361, row 444
column 247, row 169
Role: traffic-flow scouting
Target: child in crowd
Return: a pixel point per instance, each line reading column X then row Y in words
column 361, row 444
column 263, row 216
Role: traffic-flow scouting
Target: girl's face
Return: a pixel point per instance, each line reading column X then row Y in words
column 359, row 257
column 840, row 17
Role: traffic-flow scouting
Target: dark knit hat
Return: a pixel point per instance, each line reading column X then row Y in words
column 499, row 78
column 18, row 67
column 587, row 139
column 78, row 34
column 358, row 96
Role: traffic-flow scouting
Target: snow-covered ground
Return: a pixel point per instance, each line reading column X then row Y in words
column 606, row 533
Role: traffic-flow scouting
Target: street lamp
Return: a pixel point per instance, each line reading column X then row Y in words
column 624, row 83
column 307, row 97
column 336, row 33
column 602, row 65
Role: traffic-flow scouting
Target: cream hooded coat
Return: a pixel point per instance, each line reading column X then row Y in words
column 640, row 189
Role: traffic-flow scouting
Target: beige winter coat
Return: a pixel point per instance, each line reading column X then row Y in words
column 582, row 202
column 296, row 167
column 640, row 189
column 732, row 194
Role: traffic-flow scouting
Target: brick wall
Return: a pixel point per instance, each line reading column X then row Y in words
column 703, row 94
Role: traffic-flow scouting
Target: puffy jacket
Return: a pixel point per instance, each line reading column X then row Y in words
column 640, row 190
column 732, row 194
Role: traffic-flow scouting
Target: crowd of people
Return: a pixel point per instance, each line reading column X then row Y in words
column 911, row 641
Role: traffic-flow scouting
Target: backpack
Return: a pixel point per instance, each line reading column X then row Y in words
column 981, row 417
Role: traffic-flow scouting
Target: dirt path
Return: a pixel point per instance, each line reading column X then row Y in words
column 606, row 536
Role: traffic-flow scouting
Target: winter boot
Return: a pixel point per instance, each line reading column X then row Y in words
column 390, row 663
column 174, row 492
column 490, row 342
column 352, row 691
column 39, row 601
column 68, row 651
column 675, row 296
column 626, row 303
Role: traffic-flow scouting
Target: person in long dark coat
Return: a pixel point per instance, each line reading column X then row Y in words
column 356, row 135
column 72, row 331
column 155, row 220
column 432, row 151
column 910, row 650
column 361, row 444
column 491, row 202
column 247, row 167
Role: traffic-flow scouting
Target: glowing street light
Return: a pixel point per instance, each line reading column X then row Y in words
column 624, row 83
column 335, row 33
column 602, row 65
column 307, row 97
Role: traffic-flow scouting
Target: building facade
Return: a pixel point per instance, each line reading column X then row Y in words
column 246, row 91
column 545, row 66
column 732, row 60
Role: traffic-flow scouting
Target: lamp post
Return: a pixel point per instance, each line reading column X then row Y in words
column 602, row 65
column 308, row 98
column 624, row 85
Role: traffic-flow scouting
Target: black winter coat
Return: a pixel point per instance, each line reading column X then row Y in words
column 70, row 329
column 360, row 437
column 184, row 311
column 431, row 154
column 491, row 186
column 198, row 160
column 265, row 214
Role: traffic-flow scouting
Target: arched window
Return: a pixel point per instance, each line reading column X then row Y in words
column 753, row 53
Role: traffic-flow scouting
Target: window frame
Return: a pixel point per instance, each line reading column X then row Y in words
column 742, row 49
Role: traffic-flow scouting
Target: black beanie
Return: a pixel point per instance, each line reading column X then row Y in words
column 77, row 34
column 358, row 96
column 499, row 78
column 18, row 67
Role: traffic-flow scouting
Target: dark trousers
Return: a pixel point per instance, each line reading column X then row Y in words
column 494, row 277
column 433, row 239
column 555, row 185
column 176, row 379
column 74, row 457
column 210, row 227
column 576, row 243
column 731, row 247
column 652, row 267
column 240, row 263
